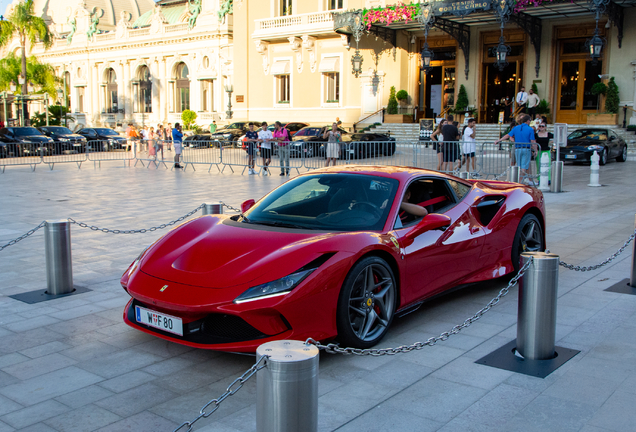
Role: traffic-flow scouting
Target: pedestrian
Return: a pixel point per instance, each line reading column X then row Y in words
column 458, row 149
column 169, row 136
column 130, row 136
column 469, row 144
column 152, row 150
column 438, row 145
column 533, row 102
column 451, row 135
column 543, row 138
column 281, row 135
column 177, row 137
column 506, row 107
column 333, row 144
column 251, row 138
column 522, row 99
column 160, row 137
column 525, row 143
column 265, row 137
column 213, row 127
column 144, row 138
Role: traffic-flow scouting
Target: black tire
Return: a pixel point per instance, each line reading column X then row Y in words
column 623, row 156
column 528, row 238
column 364, row 315
column 603, row 158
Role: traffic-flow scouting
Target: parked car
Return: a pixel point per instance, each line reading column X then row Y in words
column 583, row 142
column 65, row 140
column 327, row 255
column 25, row 141
column 366, row 144
column 232, row 132
column 103, row 139
column 309, row 140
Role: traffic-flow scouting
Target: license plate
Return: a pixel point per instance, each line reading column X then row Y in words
column 570, row 156
column 159, row 320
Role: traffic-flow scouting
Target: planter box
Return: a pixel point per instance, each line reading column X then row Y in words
column 398, row 118
column 602, row 119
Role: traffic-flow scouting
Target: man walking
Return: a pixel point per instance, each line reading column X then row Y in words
column 282, row 136
column 213, row 127
column 177, row 136
column 251, row 137
column 265, row 137
column 525, row 143
column 450, row 149
column 522, row 99
column 533, row 101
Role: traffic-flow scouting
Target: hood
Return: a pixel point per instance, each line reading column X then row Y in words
column 35, row 138
column 214, row 252
column 583, row 142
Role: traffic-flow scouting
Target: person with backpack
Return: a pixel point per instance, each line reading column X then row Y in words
column 282, row 136
column 177, row 137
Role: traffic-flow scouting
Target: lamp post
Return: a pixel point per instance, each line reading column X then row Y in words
column 357, row 27
column 596, row 43
column 229, row 88
column 426, row 19
column 502, row 11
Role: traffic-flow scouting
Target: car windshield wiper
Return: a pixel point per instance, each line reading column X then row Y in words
column 280, row 224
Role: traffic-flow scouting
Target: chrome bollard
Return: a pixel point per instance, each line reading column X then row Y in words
column 632, row 277
column 464, row 175
column 594, row 170
column 513, row 174
column 545, row 168
column 59, row 266
column 210, row 209
column 287, row 388
column 536, row 316
column 557, row 177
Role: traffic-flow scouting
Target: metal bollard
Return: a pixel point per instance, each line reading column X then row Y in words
column 632, row 277
column 513, row 174
column 557, row 177
column 464, row 175
column 210, row 209
column 545, row 167
column 59, row 266
column 594, row 169
column 536, row 316
column 287, row 388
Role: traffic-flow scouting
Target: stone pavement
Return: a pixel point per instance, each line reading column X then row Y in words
column 71, row 364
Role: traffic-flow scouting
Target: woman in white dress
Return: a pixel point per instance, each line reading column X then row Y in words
column 333, row 144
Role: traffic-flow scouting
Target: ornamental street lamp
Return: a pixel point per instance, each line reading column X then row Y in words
column 426, row 57
column 229, row 88
column 357, row 27
column 426, row 19
column 501, row 53
column 502, row 11
column 356, row 63
column 595, row 44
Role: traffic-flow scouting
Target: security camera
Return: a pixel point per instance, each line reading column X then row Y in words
column 603, row 76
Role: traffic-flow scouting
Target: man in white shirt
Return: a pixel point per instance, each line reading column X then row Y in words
column 469, row 146
column 522, row 99
column 533, row 101
column 265, row 137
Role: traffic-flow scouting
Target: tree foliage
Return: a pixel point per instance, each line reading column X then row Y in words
column 402, row 95
column 534, row 88
column 462, row 99
column 56, row 116
column 543, row 107
column 612, row 100
column 392, row 107
column 42, row 75
column 188, row 117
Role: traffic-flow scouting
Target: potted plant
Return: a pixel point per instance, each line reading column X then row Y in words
column 402, row 96
column 392, row 115
column 597, row 90
column 610, row 114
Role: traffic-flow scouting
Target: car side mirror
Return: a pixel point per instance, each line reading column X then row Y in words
column 429, row 222
column 247, row 205
column 611, row 138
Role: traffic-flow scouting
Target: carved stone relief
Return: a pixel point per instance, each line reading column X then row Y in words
column 263, row 49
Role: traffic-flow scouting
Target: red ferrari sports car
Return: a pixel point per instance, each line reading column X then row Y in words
column 329, row 254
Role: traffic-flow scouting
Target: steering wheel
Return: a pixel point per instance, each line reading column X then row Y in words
column 369, row 206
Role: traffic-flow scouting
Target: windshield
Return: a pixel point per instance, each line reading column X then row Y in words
column 104, row 131
column 332, row 202
column 308, row 132
column 26, row 131
column 58, row 130
column 595, row 134
column 238, row 125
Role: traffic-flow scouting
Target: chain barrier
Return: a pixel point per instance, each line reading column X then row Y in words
column 137, row 231
column 607, row 261
column 260, row 364
column 22, row 237
column 335, row 349
column 231, row 208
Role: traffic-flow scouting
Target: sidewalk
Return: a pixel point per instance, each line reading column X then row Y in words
column 71, row 364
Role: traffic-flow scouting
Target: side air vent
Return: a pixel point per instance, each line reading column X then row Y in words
column 487, row 208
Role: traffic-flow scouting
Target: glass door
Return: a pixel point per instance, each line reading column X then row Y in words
column 568, row 100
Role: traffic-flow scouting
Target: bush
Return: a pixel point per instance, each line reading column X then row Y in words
column 188, row 117
column 534, row 88
column 631, row 127
column 402, row 95
column 612, row 100
column 462, row 99
column 543, row 107
column 598, row 89
column 392, row 107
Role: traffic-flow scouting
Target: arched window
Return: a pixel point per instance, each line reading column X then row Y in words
column 111, row 91
column 142, row 88
column 182, row 87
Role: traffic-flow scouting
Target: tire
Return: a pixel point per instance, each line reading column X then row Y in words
column 528, row 238
column 623, row 156
column 603, row 159
column 367, row 303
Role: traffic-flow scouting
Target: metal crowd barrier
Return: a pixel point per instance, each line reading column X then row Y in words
column 24, row 154
column 296, row 160
column 204, row 152
column 494, row 159
column 98, row 151
column 150, row 152
column 66, row 152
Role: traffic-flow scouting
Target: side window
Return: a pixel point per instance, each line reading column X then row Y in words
column 432, row 194
column 460, row 189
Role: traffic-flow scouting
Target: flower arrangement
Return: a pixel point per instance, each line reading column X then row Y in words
column 399, row 12
column 521, row 5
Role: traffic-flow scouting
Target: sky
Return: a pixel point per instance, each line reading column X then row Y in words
column 3, row 5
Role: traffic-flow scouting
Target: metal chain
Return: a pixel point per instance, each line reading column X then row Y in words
column 335, row 349
column 137, row 231
column 22, row 237
column 231, row 208
column 228, row 392
column 607, row 261
column 502, row 174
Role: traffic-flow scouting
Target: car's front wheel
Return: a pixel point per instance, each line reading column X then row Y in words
column 528, row 238
column 603, row 159
column 367, row 303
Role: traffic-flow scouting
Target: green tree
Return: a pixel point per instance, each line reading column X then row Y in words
column 462, row 99
column 612, row 100
column 42, row 75
column 188, row 117
column 402, row 95
column 392, row 107
column 534, row 88
column 56, row 116
column 23, row 23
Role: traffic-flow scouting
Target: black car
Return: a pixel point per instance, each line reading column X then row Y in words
column 203, row 140
column 232, row 132
column 310, row 142
column 582, row 143
column 25, row 141
column 65, row 140
column 362, row 145
column 103, row 139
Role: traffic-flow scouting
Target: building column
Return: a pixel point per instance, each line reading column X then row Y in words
column 163, row 89
column 154, row 71
column 126, row 94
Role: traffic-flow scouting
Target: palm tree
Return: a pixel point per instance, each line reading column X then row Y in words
column 23, row 23
column 42, row 75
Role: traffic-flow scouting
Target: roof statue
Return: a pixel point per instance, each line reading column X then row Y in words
column 96, row 14
column 194, row 9
column 227, row 7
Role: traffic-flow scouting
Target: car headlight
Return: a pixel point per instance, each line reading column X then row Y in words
column 136, row 262
column 275, row 288
column 595, row 147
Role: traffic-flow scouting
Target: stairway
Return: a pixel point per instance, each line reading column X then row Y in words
column 486, row 132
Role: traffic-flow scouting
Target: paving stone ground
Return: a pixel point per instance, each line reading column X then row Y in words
column 71, row 364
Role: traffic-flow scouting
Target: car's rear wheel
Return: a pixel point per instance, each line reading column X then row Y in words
column 528, row 238
column 603, row 159
column 623, row 156
column 367, row 303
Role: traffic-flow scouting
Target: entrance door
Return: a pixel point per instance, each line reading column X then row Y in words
column 498, row 90
column 575, row 98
